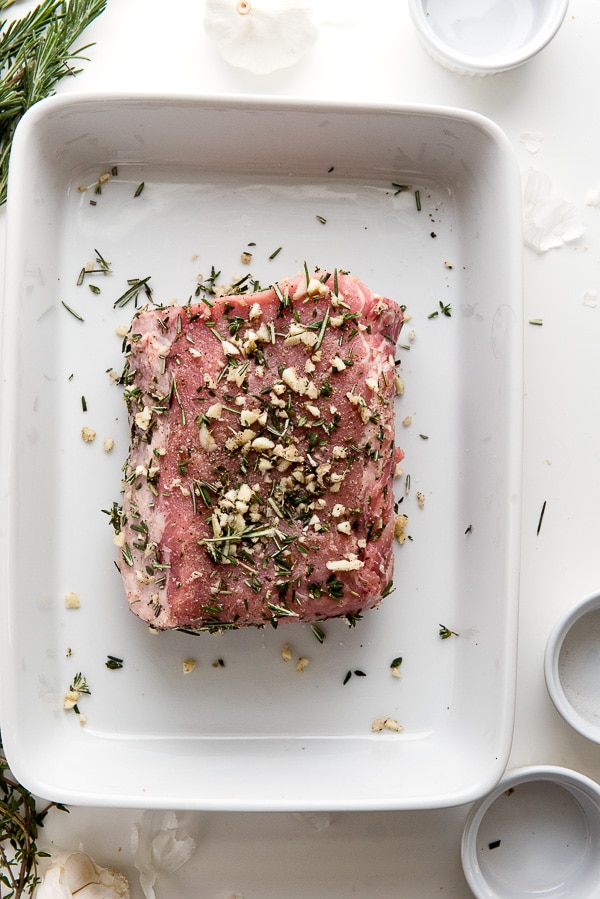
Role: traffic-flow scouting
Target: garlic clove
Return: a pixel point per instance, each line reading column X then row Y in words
column 74, row 873
column 261, row 36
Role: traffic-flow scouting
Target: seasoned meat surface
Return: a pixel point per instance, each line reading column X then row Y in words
column 258, row 485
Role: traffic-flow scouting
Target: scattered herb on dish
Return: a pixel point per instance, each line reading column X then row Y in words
column 136, row 285
column 445, row 309
column 77, row 689
column 139, row 189
column 318, row 632
column 445, row 632
column 536, row 321
column 72, row 311
column 114, row 663
column 395, row 665
column 541, row 518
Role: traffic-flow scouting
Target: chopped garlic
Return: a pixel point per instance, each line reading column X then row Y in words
column 108, row 444
column 255, row 311
column 345, row 564
column 286, row 653
column 400, row 525
column 301, row 665
column 88, row 434
column 214, row 411
column 188, row 666
column 72, row 601
column 142, row 419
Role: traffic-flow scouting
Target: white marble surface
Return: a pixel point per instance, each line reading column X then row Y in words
column 370, row 52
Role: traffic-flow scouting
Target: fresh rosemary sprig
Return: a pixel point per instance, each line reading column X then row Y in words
column 35, row 53
column 20, row 820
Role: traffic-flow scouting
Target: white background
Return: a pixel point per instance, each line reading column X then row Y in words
column 370, row 52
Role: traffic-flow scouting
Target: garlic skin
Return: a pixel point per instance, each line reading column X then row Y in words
column 75, row 874
column 548, row 222
column 160, row 846
column 261, row 36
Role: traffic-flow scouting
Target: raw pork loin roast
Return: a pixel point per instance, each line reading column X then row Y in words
column 258, row 485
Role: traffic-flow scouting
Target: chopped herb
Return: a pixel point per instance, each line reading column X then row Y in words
column 539, row 527
column 139, row 189
column 275, row 253
column 445, row 632
column 319, row 634
column 72, row 311
column 395, row 663
column 321, row 219
column 132, row 292
column 469, row 529
column 114, row 663
column 347, row 678
column 94, row 288
column 536, row 321
column 494, row 844
column 424, row 436
column 418, row 200
column 387, row 589
column 445, row 309
column 359, row 673
column 400, row 188
column 83, row 404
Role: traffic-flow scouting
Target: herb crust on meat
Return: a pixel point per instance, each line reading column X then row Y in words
column 258, row 486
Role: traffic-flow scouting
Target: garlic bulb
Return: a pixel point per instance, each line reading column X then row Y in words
column 75, row 874
column 261, row 35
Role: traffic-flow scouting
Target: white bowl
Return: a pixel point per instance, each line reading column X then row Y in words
column 537, row 833
column 572, row 667
column 481, row 37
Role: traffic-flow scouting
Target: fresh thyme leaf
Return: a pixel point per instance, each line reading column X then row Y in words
column 445, row 632
column 139, row 189
column 35, row 54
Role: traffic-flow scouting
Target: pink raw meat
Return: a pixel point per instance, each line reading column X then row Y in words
column 258, row 486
